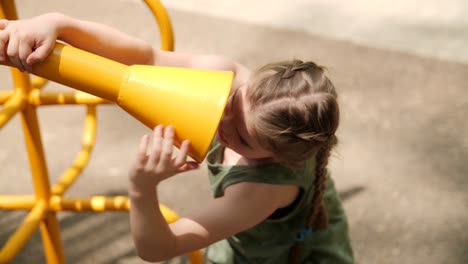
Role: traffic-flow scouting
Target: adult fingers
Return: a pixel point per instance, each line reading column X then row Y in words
column 166, row 153
column 155, row 152
column 12, row 52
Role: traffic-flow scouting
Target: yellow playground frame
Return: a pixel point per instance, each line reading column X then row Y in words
column 28, row 95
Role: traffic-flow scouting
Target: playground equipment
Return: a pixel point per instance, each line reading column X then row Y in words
column 191, row 100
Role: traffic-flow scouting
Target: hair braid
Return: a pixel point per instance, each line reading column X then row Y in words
column 318, row 219
column 296, row 66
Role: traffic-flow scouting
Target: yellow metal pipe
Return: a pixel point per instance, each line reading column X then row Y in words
column 196, row 257
column 89, row 137
column 14, row 104
column 21, row 80
column 95, row 203
column 164, row 22
column 38, row 82
column 168, row 214
column 24, row 232
column 49, row 225
column 17, row 202
column 8, row 10
column 2, row 14
column 38, row 98
column 35, row 150
column 50, row 233
column 5, row 95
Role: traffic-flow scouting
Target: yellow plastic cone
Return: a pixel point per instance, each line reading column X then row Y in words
column 191, row 100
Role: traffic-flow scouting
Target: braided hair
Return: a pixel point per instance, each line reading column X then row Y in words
column 295, row 115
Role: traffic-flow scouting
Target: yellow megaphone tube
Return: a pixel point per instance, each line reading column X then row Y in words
column 193, row 101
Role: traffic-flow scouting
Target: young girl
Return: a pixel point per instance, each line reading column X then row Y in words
column 274, row 199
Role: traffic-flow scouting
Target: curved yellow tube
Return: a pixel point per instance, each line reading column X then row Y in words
column 24, row 232
column 5, row 96
column 165, row 26
column 13, row 105
column 81, row 160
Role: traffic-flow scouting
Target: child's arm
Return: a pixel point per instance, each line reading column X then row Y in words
column 30, row 41
column 243, row 205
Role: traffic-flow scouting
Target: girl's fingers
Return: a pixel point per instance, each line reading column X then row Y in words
column 190, row 165
column 12, row 52
column 40, row 53
column 3, row 24
column 182, row 155
column 141, row 156
column 156, row 148
column 166, row 153
column 3, row 42
column 24, row 49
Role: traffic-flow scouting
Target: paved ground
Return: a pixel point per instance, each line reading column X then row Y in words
column 401, row 164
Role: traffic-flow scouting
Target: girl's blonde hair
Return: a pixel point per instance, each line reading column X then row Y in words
column 295, row 115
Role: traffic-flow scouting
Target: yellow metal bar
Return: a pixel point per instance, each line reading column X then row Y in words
column 89, row 137
column 38, row 82
column 164, row 22
column 5, row 95
column 17, row 202
column 24, row 232
column 38, row 98
column 2, row 14
column 15, row 103
column 35, row 152
column 196, row 257
column 49, row 226
column 50, row 233
column 9, row 10
column 95, row 204
column 168, row 214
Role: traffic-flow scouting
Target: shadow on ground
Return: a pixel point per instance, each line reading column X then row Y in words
column 87, row 236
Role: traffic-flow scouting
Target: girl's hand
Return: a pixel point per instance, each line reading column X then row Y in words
column 28, row 41
column 149, row 170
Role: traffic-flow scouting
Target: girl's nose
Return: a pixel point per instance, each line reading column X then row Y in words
column 227, row 115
